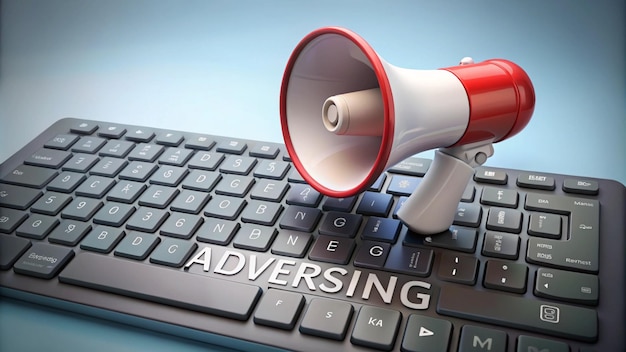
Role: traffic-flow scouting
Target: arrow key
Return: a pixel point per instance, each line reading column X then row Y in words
column 424, row 333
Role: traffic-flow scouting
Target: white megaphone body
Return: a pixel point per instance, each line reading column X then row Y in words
column 347, row 116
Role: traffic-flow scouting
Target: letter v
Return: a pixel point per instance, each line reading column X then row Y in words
column 253, row 274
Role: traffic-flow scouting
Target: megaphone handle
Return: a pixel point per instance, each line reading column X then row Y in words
column 431, row 207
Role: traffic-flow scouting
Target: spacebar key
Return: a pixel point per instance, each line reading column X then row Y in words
column 551, row 318
column 162, row 285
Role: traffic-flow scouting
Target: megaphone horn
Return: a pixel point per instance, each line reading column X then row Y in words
column 347, row 116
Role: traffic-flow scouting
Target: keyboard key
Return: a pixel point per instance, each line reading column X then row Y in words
column 530, row 343
column 266, row 151
column 113, row 214
column 181, row 225
column 136, row 245
column 43, row 260
column 501, row 245
column 270, row 190
column 88, row 145
column 372, row 254
column 505, row 276
column 81, row 208
column 50, row 158
column 381, row 229
column 18, row 197
column 555, row 319
column 66, row 182
column 206, row 161
column 30, row 176
column 303, row 194
column 126, row 191
column 545, row 225
column 225, row 298
column 102, row 239
column 292, row 244
column 375, row 204
column 232, row 146
column 503, row 219
column 223, row 207
column 173, row 252
column 140, row 134
column 376, row 327
column 275, row 170
column 300, row 218
column 329, row 249
column 80, row 162
column 84, row 127
column 377, row 186
column 339, row 204
column 10, row 219
column 581, row 186
column 158, row 196
column 412, row 166
column 147, row 219
column 567, row 286
column 95, row 187
column 217, row 231
column 476, row 338
column 403, row 185
column 168, row 175
column 340, row 224
column 37, row 226
column 536, row 181
column 62, row 141
column 456, row 238
column 51, row 203
column 327, row 318
column 138, row 171
column 200, row 142
column 468, row 214
column 426, row 334
column 254, row 237
column 145, row 152
column 234, row 185
column 410, row 260
column 175, row 156
column 279, row 309
column 238, row 165
column 172, row 139
column 499, row 197
column 496, row 177
column 117, row 149
column 112, row 131
column 69, row 232
column 462, row 269
column 262, row 213
column 201, row 180
column 191, row 202
column 11, row 248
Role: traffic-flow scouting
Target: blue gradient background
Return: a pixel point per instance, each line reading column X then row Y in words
column 216, row 67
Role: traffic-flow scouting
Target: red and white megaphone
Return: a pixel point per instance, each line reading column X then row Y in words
column 347, row 116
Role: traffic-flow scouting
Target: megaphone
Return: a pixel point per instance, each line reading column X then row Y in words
column 347, row 116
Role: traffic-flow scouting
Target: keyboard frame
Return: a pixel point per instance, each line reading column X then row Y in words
column 232, row 333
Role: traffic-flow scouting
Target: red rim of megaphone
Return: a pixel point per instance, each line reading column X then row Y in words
column 388, row 130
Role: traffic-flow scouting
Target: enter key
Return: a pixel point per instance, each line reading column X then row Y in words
column 567, row 286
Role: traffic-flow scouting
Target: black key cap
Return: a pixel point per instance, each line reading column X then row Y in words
column 375, row 204
column 567, row 286
column 484, row 175
column 279, row 309
column 17, row 197
column 550, row 318
column 30, row 176
column 37, row 226
column 410, row 260
column 476, row 338
column 10, row 219
column 88, row 145
column 532, row 180
column 136, row 245
column 303, row 194
column 80, row 162
column 372, row 254
column 339, row 204
column 292, row 243
column 95, row 187
column 381, row 229
column 329, row 249
column 412, row 166
column 327, row 318
column 300, row 218
column 501, row 245
column 43, row 260
column 376, row 327
column 102, row 239
column 66, row 182
column 545, row 225
column 11, row 248
column 426, row 334
column 468, row 214
column 499, row 197
column 140, row 134
column 506, row 276
column 254, row 237
column 173, row 252
column 403, row 185
column 69, row 232
column 62, row 141
column 50, row 158
column 340, row 224
column 377, row 186
column 503, row 219
column 579, row 186
column 458, row 268
column 203, row 293
column 530, row 343
column 456, row 238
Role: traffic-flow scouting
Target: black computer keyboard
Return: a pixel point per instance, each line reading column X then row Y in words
column 220, row 240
